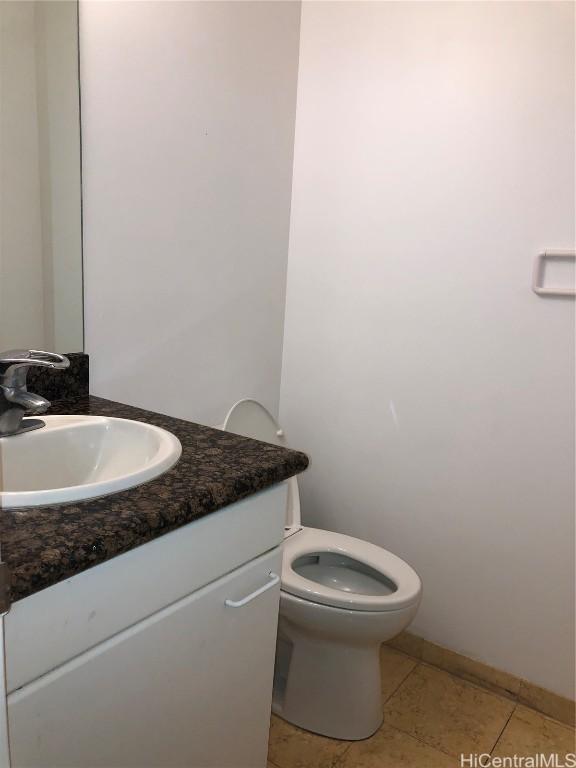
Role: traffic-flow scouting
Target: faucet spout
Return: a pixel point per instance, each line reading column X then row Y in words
column 31, row 403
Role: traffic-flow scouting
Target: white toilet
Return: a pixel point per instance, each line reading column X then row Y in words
column 340, row 599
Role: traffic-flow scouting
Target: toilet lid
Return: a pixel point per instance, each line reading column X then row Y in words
column 352, row 573
column 249, row 418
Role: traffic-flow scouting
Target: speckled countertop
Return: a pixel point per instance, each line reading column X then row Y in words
column 43, row 545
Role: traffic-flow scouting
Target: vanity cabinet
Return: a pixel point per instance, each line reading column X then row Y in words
column 186, row 685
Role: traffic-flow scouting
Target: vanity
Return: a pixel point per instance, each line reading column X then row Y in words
column 142, row 626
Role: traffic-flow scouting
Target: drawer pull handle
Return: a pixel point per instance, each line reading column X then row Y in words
column 273, row 580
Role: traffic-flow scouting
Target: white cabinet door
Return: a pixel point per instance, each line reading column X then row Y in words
column 190, row 686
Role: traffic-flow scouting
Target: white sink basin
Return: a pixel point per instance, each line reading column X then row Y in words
column 80, row 457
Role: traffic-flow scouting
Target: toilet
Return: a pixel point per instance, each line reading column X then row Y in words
column 340, row 599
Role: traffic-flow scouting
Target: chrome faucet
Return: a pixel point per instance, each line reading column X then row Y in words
column 15, row 400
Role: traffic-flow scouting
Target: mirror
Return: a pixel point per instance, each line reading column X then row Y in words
column 40, row 195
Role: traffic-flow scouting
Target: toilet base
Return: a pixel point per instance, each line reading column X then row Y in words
column 327, row 676
column 331, row 689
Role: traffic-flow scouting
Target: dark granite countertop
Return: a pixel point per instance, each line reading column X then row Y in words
column 43, row 545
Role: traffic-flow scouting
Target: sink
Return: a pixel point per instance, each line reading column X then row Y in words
column 74, row 458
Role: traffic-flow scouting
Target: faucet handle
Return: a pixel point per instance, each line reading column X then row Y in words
column 23, row 358
column 15, row 363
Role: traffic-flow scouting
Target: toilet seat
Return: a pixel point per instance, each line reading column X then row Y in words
column 312, row 541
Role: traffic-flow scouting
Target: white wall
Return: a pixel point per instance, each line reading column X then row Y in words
column 434, row 391
column 188, row 124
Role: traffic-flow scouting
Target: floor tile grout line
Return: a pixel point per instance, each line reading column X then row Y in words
column 503, row 729
column 386, row 699
column 420, row 740
column 340, row 756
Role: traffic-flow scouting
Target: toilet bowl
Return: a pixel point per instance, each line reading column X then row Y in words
column 340, row 599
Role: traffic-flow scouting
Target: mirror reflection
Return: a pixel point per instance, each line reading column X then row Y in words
column 40, row 208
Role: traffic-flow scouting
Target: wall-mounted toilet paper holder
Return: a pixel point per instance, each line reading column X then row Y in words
column 538, row 273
